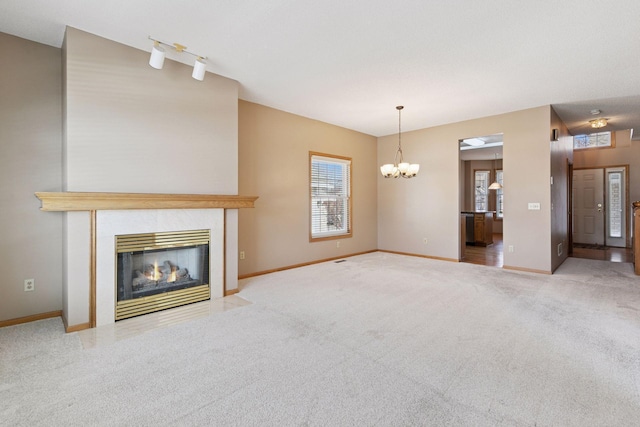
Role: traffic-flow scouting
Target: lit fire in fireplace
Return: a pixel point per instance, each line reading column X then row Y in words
column 167, row 272
column 155, row 274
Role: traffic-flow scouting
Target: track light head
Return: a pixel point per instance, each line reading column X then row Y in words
column 157, row 56
column 199, row 68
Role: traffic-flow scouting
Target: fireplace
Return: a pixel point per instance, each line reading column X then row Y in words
column 157, row 271
column 93, row 220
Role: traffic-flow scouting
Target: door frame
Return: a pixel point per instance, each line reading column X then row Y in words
column 627, row 215
column 626, row 208
column 570, row 207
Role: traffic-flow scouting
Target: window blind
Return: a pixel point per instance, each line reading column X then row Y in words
column 330, row 188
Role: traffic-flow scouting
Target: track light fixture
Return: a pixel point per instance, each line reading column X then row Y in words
column 158, row 53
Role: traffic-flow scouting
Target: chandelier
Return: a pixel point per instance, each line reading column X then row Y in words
column 598, row 123
column 399, row 166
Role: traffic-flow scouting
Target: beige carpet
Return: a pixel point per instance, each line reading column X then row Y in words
column 379, row 339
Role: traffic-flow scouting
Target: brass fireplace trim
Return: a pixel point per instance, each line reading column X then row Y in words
column 161, row 240
column 152, row 303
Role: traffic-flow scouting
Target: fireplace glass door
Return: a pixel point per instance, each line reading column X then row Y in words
column 156, row 271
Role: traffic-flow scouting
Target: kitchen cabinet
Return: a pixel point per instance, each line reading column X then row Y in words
column 479, row 228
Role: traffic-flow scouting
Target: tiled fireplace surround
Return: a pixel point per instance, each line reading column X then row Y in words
column 94, row 219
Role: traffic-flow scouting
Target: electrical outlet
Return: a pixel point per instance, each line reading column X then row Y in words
column 425, row 240
column 510, row 248
column 338, row 244
column 29, row 285
column 241, row 254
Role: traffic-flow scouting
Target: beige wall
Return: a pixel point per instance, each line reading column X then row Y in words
column 274, row 157
column 30, row 161
column 428, row 205
column 132, row 128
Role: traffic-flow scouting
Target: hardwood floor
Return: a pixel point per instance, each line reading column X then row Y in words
column 606, row 254
column 492, row 255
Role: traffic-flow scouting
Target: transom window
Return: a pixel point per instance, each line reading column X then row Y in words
column 330, row 189
column 594, row 140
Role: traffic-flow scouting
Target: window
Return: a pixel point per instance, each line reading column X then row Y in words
column 330, row 196
column 481, row 190
column 594, row 140
column 615, row 208
column 499, row 196
column 484, row 198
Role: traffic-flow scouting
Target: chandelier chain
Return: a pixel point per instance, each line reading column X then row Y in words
column 399, row 127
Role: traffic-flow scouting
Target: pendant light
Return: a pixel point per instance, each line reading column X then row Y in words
column 495, row 185
column 399, row 166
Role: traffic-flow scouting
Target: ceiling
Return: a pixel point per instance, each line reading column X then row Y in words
column 487, row 147
column 350, row 63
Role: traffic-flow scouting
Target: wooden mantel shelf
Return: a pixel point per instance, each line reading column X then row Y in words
column 78, row 201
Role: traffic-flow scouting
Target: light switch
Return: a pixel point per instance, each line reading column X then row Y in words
column 534, row 206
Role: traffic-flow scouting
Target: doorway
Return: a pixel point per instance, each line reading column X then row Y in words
column 481, row 199
column 600, row 207
column 601, row 214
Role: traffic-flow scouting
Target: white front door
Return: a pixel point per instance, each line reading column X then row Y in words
column 588, row 206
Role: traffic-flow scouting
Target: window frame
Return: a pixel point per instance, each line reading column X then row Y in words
column 499, row 216
column 347, row 202
column 612, row 141
column 486, row 189
column 615, row 199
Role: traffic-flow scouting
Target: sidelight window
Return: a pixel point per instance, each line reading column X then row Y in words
column 615, row 202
